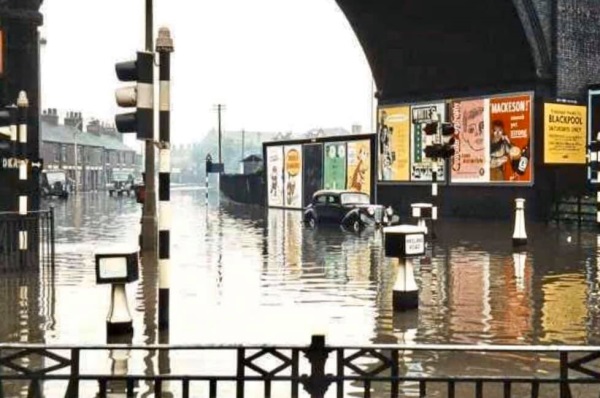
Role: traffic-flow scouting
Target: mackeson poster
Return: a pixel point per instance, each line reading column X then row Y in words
column 510, row 139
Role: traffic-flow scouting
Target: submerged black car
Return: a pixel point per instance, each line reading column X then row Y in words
column 350, row 209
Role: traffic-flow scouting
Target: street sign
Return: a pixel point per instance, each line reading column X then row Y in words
column 214, row 167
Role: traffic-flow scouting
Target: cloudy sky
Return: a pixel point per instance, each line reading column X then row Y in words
column 277, row 65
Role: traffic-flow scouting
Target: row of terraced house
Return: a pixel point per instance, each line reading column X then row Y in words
column 101, row 154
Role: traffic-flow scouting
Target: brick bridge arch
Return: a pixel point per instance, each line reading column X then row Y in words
column 433, row 47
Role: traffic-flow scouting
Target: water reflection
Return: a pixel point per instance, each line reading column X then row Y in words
column 249, row 275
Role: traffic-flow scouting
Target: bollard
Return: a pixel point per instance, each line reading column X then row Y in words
column 404, row 242
column 120, row 365
column 317, row 383
column 519, row 235
column 117, row 269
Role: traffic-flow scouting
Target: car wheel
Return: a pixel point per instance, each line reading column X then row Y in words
column 356, row 225
column 311, row 222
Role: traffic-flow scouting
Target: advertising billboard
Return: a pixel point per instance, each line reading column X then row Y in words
column 359, row 166
column 565, row 133
column 293, row 176
column 313, row 170
column 394, row 143
column 510, row 139
column 334, row 166
column 471, row 161
column 275, row 176
column 421, row 166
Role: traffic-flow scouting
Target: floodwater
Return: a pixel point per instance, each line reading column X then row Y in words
column 247, row 275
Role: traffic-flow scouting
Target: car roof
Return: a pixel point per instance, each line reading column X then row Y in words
column 335, row 192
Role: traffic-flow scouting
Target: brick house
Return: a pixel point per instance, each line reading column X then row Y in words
column 100, row 150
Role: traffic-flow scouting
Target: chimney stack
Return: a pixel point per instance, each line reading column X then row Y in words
column 50, row 116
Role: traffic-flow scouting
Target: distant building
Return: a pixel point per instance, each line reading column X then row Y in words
column 97, row 153
column 251, row 164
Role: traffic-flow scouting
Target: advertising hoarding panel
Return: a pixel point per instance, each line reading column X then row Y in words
column 293, row 176
column 421, row 166
column 471, row 160
column 274, row 168
column 313, row 170
column 394, row 143
column 565, row 133
column 510, row 139
column 359, row 166
column 334, row 165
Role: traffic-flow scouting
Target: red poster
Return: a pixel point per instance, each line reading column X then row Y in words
column 510, row 139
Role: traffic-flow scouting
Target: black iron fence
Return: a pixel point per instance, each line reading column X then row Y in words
column 40, row 240
column 315, row 370
column 575, row 209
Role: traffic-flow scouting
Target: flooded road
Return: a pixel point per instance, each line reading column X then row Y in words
column 252, row 275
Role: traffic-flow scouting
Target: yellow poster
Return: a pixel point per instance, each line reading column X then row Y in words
column 359, row 166
column 394, row 143
column 565, row 131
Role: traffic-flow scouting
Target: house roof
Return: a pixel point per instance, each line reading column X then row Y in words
column 252, row 158
column 66, row 135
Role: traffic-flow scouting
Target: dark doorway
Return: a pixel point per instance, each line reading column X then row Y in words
column 313, row 171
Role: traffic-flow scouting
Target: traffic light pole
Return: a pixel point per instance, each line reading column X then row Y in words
column 149, row 222
column 164, row 47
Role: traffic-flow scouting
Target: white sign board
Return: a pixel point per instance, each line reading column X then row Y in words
column 415, row 244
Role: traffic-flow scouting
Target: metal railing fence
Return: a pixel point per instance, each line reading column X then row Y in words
column 315, row 370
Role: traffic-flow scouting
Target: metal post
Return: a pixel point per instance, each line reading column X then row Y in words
column 219, row 107
column 317, row 384
column 164, row 47
column 22, row 105
column 149, row 211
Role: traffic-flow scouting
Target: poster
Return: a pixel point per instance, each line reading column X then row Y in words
column 275, row 175
column 359, row 166
column 293, row 176
column 420, row 166
column 313, row 171
column 471, row 161
column 394, row 143
column 510, row 139
column 335, row 166
column 565, row 131
column 593, row 121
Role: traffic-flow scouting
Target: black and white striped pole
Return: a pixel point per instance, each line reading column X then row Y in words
column 594, row 163
column 164, row 47
column 22, row 108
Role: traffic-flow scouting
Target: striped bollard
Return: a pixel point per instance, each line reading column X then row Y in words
column 22, row 107
column 404, row 242
column 164, row 47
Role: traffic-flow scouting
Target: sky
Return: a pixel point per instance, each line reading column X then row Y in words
column 276, row 65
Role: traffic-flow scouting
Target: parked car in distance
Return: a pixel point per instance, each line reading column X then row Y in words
column 121, row 183
column 350, row 209
column 54, row 183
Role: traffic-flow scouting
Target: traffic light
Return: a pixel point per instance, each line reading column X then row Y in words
column 8, row 130
column 430, row 128
column 448, row 140
column 433, row 151
column 140, row 96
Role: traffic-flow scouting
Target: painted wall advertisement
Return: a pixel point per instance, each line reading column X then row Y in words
column 421, row 166
column 293, row 176
column 510, row 139
column 394, row 143
column 275, row 175
column 471, row 161
column 335, row 166
column 359, row 166
column 565, row 132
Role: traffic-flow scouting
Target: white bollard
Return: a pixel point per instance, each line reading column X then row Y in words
column 119, row 319
column 519, row 235
column 404, row 242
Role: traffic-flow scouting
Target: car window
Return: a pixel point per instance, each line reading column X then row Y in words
column 321, row 199
column 331, row 199
column 355, row 198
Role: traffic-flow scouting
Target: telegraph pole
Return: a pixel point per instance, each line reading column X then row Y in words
column 219, row 108
column 149, row 227
column 243, row 143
